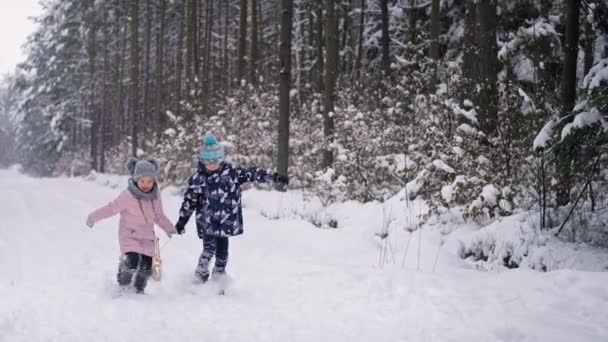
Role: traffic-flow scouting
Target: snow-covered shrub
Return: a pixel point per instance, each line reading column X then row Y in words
column 575, row 147
column 517, row 242
column 457, row 164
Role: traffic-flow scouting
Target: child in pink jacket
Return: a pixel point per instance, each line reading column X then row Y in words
column 140, row 207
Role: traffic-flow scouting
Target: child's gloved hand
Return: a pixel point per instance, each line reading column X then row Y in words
column 90, row 223
column 280, row 179
column 180, row 229
column 171, row 232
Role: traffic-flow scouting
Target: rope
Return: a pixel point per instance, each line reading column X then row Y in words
column 141, row 208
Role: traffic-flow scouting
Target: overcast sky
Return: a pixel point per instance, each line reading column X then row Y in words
column 14, row 29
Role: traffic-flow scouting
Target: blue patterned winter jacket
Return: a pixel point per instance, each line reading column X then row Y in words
column 216, row 198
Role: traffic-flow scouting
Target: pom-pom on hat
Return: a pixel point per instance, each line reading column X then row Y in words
column 211, row 151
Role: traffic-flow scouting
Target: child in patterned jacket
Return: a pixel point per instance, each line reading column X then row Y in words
column 214, row 192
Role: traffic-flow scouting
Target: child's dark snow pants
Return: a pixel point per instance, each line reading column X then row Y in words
column 134, row 263
column 213, row 246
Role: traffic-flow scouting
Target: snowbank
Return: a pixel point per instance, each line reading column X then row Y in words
column 515, row 242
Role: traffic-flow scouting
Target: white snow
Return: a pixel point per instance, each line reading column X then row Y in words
column 170, row 132
column 447, row 192
column 527, row 105
column 459, row 151
column 597, row 74
column 524, row 69
column 440, row 164
column 292, row 281
column 490, row 194
column 414, row 186
column 544, row 136
column 467, row 129
column 470, row 115
column 517, row 239
column 584, row 119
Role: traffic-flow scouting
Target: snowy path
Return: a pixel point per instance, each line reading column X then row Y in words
column 292, row 283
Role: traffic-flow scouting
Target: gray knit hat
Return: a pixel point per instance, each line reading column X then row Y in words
column 142, row 168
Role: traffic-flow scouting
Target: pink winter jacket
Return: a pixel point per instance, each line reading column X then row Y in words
column 136, row 227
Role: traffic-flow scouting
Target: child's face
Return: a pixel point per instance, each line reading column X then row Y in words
column 212, row 166
column 145, row 184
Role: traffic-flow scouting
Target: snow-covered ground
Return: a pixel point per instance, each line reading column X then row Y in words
column 292, row 281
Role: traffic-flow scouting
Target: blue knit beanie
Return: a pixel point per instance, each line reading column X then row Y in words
column 211, row 151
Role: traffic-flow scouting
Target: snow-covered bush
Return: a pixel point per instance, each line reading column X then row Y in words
column 517, row 242
column 574, row 147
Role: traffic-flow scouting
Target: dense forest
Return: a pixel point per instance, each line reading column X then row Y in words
column 487, row 107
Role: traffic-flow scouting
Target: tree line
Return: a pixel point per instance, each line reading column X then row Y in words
column 353, row 98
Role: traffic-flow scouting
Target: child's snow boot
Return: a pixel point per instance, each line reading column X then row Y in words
column 201, row 274
column 141, row 280
column 220, row 278
column 125, row 271
column 218, row 273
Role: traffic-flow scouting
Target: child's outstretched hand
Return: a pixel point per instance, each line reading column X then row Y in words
column 280, row 179
column 179, row 228
column 90, row 223
column 171, row 232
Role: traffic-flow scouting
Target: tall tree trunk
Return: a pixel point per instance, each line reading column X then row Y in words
column 134, row 76
column 285, row 85
column 488, row 53
column 412, row 21
column 208, row 62
column 160, row 118
column 116, row 113
column 203, row 17
column 310, row 55
column 240, row 66
column 253, row 63
column 91, row 51
column 196, row 58
column 470, row 53
column 105, row 108
column 568, row 95
column 298, row 54
column 261, row 57
column 320, row 45
column 346, row 6
column 147, row 117
column 434, row 49
column 589, row 46
column 570, row 56
column 190, row 46
column 180, row 58
column 225, row 64
column 386, row 59
column 360, row 41
column 331, row 46
column 123, row 110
